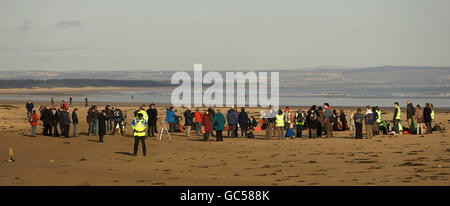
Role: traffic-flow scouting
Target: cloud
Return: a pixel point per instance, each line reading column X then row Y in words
column 69, row 24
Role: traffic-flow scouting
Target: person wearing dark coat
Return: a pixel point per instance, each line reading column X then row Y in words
column 206, row 123
column 61, row 121
column 218, row 124
column 321, row 118
column 101, row 125
column 243, row 122
column 313, row 121
column 75, row 122
column 212, row 113
column 54, row 119
column 189, row 119
column 66, row 122
column 152, row 114
column 46, row 119
column 109, row 117
column 427, row 117
column 343, row 120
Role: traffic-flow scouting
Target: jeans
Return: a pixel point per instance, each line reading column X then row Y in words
column 171, row 126
column 91, row 127
column 75, row 130
column 198, row 128
column 96, row 127
column 136, row 144
column 33, row 130
column 109, row 124
column 396, row 126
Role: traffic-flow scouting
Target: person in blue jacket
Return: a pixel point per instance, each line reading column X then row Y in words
column 29, row 107
column 170, row 118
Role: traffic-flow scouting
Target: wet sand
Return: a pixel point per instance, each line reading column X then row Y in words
column 383, row 160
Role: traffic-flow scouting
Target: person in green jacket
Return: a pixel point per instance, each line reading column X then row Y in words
column 218, row 125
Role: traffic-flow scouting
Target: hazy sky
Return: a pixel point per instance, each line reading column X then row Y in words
column 226, row 34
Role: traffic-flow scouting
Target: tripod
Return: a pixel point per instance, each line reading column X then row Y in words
column 162, row 130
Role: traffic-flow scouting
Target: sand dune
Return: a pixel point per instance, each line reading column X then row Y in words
column 402, row 160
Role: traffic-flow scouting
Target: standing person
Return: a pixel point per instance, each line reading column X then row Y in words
column 101, row 125
column 352, row 121
column 313, row 121
column 96, row 120
column 70, row 100
column 232, row 119
column 118, row 119
column 299, row 121
column 358, row 118
column 46, row 118
column 86, row 101
column 109, row 117
column 343, row 120
column 427, row 117
column 212, row 113
column 61, row 121
column 188, row 120
column 66, row 122
column 243, row 122
column 410, row 112
column 170, row 118
column 420, row 120
column 198, row 121
column 33, row 122
column 270, row 116
column 321, row 119
column 396, row 118
column 379, row 118
column 54, row 120
column 369, row 120
column 287, row 118
column 152, row 114
column 206, row 123
column 90, row 119
column 280, row 124
column 218, row 124
column 375, row 127
column 29, row 107
column 329, row 120
column 52, row 100
column 432, row 112
column 75, row 122
column 139, row 126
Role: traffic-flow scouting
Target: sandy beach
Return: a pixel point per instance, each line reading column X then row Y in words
column 383, row 160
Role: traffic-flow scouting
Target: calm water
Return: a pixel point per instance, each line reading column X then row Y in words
column 287, row 97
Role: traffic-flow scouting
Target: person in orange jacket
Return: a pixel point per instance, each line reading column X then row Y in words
column 198, row 121
column 33, row 122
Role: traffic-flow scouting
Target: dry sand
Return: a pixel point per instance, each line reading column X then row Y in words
column 387, row 160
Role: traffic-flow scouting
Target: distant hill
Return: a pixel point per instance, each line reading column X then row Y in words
column 49, row 83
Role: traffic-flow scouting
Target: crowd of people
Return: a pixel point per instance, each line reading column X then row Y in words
column 319, row 121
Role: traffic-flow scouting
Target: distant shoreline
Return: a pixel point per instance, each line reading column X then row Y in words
column 73, row 90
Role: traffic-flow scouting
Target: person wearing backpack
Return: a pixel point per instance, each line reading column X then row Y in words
column 313, row 122
column 358, row 118
column 33, row 122
column 299, row 121
column 329, row 120
column 118, row 119
column 370, row 119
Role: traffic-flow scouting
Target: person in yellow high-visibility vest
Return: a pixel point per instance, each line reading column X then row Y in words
column 139, row 125
column 377, row 110
column 279, row 123
column 396, row 118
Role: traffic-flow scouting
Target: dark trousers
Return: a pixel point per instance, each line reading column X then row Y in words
column 171, row 126
column 219, row 136
column 429, row 128
column 298, row 132
column 244, row 129
column 120, row 127
column 66, row 130
column 100, row 137
column 231, row 130
column 358, row 128
column 152, row 129
column 136, row 144
column 206, row 136
column 320, row 130
column 55, row 130
column 109, row 124
column 47, row 129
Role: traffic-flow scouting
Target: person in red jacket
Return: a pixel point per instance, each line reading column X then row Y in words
column 198, row 121
column 206, row 123
column 33, row 122
column 63, row 105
